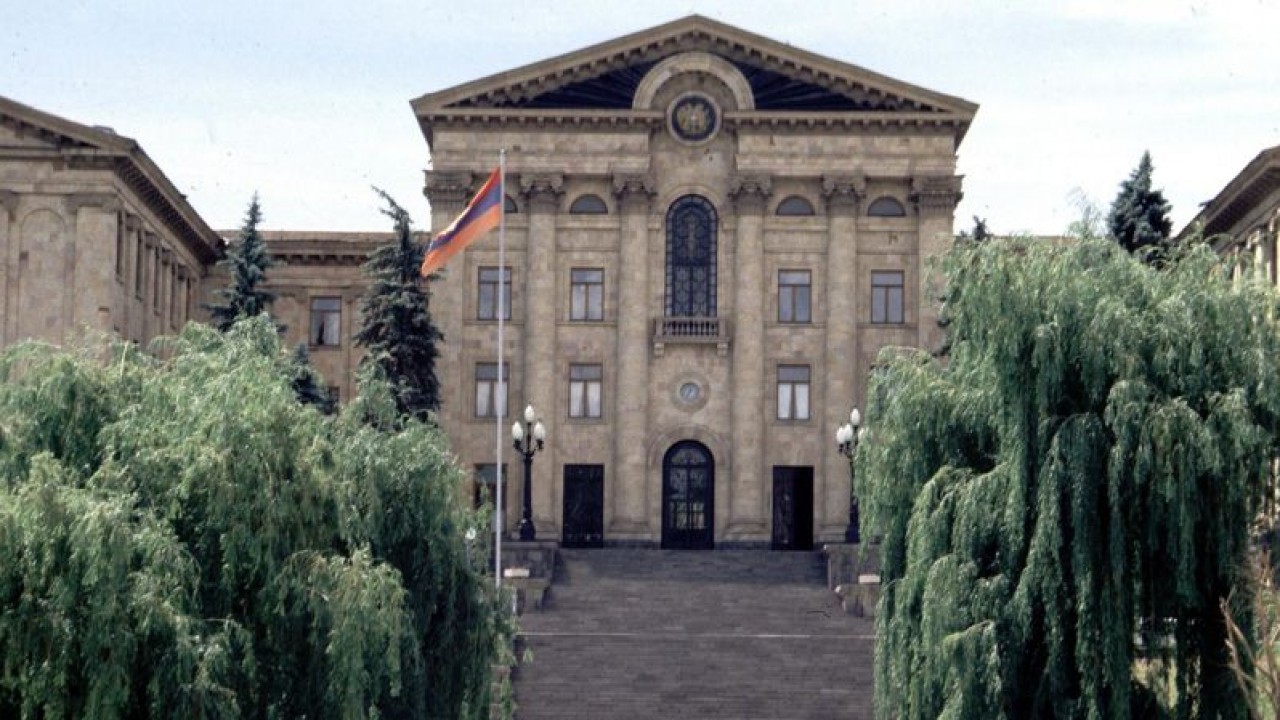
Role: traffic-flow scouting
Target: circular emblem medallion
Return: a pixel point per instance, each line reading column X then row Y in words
column 694, row 118
column 689, row 392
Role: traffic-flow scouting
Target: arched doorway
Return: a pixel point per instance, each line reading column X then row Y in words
column 688, row 496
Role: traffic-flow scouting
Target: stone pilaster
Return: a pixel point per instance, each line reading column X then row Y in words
column 746, row 497
column 90, row 261
column 8, row 253
column 448, row 194
column 541, row 366
column 936, row 198
column 630, row 485
column 843, row 371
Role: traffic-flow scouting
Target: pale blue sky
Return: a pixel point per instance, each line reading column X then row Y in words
column 308, row 104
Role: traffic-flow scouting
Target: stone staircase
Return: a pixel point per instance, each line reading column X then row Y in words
column 633, row 634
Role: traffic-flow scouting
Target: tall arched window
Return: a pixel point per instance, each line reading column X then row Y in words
column 691, row 258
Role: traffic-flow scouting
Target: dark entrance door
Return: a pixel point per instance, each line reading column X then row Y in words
column 792, row 508
column 583, row 506
column 688, row 495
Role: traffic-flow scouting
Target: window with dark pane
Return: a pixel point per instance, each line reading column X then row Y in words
column 588, row 205
column 886, row 297
column 586, row 388
column 793, row 392
column 326, row 321
column 794, row 294
column 794, row 206
column 691, row 258
column 491, row 394
column 491, row 281
column 886, row 207
column 509, row 205
column 586, row 294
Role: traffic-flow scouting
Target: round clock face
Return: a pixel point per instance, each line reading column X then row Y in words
column 693, row 118
column 689, row 392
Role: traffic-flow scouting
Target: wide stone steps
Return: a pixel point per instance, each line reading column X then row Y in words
column 736, row 635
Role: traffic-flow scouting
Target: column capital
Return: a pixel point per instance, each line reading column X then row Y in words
column 634, row 191
column 844, row 193
column 444, row 188
column 749, row 193
column 543, row 191
column 936, row 194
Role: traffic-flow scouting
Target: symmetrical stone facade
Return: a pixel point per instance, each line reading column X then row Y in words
column 816, row 192
column 94, row 237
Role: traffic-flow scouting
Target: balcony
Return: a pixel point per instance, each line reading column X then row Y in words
column 690, row 331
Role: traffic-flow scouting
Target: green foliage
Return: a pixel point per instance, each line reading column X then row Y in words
column 980, row 233
column 396, row 320
column 1139, row 216
column 180, row 538
column 248, row 261
column 307, row 384
column 1068, row 497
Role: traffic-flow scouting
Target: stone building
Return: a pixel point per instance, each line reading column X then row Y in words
column 710, row 236
column 92, row 233
column 1244, row 217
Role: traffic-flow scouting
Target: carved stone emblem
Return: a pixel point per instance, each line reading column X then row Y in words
column 693, row 118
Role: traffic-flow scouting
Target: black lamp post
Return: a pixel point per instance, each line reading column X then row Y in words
column 528, row 438
column 847, row 437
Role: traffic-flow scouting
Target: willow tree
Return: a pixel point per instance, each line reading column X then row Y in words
column 180, row 538
column 1065, row 501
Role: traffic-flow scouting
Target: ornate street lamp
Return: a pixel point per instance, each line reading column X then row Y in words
column 528, row 438
column 847, row 437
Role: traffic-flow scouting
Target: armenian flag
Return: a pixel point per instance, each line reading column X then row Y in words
column 481, row 215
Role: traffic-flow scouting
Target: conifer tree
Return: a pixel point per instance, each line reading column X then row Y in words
column 1065, row 500
column 247, row 260
column 177, row 541
column 1139, row 216
column 396, row 324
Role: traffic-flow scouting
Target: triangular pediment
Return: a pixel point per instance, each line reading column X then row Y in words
column 605, row 77
column 24, row 126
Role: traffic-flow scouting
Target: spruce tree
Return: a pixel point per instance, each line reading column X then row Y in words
column 247, row 261
column 1139, row 216
column 1065, row 501
column 396, row 324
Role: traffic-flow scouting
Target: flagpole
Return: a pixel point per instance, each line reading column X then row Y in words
column 502, row 381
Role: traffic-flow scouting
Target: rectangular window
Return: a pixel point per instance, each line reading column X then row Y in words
column 586, row 294
column 487, row 302
column 173, row 295
column 139, row 266
column 491, row 395
column 326, row 321
column 886, row 297
column 793, row 392
column 155, row 280
column 486, row 480
column 794, row 292
column 120, row 244
column 586, row 387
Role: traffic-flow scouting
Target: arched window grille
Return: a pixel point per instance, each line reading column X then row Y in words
column 509, row 206
column 691, row 258
column 886, row 207
column 794, row 206
column 588, row 205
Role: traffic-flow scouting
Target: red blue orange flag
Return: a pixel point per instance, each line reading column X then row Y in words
column 481, row 215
